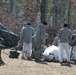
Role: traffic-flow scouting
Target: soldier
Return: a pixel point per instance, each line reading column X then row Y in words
column 74, row 45
column 26, row 36
column 39, row 40
column 64, row 37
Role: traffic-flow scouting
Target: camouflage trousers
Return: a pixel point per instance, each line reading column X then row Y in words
column 38, row 51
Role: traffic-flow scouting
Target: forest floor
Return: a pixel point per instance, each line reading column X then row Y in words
column 25, row 67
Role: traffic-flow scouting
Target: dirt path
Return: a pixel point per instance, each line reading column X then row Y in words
column 25, row 67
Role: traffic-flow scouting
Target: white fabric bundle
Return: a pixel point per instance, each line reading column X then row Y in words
column 52, row 53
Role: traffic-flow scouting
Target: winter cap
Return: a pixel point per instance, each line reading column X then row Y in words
column 44, row 23
column 65, row 25
column 28, row 23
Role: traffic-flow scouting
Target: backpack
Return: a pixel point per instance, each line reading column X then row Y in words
column 72, row 42
column 14, row 54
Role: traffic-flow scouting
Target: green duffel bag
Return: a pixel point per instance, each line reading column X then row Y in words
column 14, row 54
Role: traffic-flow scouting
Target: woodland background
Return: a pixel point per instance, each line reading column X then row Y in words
column 14, row 13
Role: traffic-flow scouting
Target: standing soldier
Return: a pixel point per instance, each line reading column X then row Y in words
column 74, row 44
column 26, row 39
column 39, row 40
column 64, row 37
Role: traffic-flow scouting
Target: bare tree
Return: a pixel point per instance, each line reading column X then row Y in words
column 14, row 5
column 69, row 12
column 43, row 10
column 56, row 11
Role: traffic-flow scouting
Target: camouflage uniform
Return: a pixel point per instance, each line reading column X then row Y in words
column 39, row 41
column 38, row 51
column 64, row 37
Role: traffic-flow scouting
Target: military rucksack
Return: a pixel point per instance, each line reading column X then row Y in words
column 72, row 42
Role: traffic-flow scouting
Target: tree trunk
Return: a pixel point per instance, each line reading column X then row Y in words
column 43, row 10
column 14, row 5
column 56, row 12
column 69, row 12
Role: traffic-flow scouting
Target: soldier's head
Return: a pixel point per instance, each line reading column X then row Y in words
column 28, row 23
column 45, row 24
column 65, row 25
